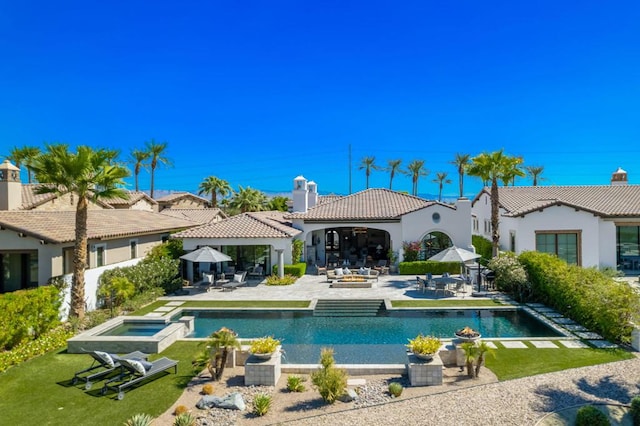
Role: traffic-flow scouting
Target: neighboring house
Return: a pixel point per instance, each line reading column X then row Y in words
column 257, row 238
column 596, row 225
column 182, row 200
column 199, row 216
column 133, row 200
column 30, row 200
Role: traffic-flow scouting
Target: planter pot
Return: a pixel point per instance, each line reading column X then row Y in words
column 424, row 357
column 468, row 339
column 263, row 356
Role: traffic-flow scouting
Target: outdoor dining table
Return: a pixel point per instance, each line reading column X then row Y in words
column 449, row 281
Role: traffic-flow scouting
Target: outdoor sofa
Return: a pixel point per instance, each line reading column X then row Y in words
column 341, row 273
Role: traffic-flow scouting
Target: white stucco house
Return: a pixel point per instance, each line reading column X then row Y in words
column 592, row 225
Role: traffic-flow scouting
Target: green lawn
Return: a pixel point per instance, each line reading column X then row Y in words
column 444, row 303
column 510, row 364
column 39, row 391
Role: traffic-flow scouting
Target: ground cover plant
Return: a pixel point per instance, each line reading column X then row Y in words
column 44, row 383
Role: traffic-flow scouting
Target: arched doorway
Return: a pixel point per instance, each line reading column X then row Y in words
column 358, row 246
column 433, row 243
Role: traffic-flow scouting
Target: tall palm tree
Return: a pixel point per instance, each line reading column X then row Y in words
column 156, row 152
column 535, row 173
column 441, row 179
column 494, row 167
column 90, row 175
column 214, row 186
column 368, row 164
column 513, row 164
column 416, row 170
column 248, row 200
column 24, row 156
column 138, row 158
column 279, row 203
column 393, row 167
column 461, row 161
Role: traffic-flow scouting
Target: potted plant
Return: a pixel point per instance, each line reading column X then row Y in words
column 264, row 347
column 424, row 347
column 467, row 334
column 393, row 261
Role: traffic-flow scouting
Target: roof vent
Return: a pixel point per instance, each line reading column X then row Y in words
column 619, row 177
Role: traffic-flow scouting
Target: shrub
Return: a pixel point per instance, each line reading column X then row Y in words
column 395, row 389
column 51, row 340
column 139, row 420
column 635, row 410
column 264, row 345
column 483, row 246
column 510, row 276
column 171, row 249
column 276, row 280
column 180, row 409
column 296, row 250
column 152, row 272
column 295, row 383
column 591, row 416
column 185, row 419
column 329, row 380
column 261, row 404
column 423, row 267
column 297, row 270
column 207, row 389
column 426, row 345
column 410, row 250
column 114, row 290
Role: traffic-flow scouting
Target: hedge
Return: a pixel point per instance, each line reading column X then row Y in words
column 585, row 295
column 27, row 314
column 483, row 247
column 423, row 267
column 297, row 270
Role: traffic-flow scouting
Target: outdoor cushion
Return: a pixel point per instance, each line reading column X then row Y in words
column 362, row 271
column 237, row 278
column 106, row 358
column 137, row 365
column 339, row 272
column 347, row 271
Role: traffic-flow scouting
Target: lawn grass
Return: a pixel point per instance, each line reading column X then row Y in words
column 510, row 364
column 39, row 391
column 444, row 303
column 149, row 308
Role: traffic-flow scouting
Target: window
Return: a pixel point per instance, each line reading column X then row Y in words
column 133, row 249
column 564, row 244
column 435, row 217
column 67, row 260
column 487, row 226
column 628, row 244
column 100, row 255
column 512, row 241
column 476, row 225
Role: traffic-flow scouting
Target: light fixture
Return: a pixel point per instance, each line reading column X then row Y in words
column 379, row 247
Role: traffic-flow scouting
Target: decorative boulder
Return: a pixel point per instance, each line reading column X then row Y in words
column 349, row 395
column 232, row 401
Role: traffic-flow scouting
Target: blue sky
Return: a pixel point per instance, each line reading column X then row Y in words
column 259, row 92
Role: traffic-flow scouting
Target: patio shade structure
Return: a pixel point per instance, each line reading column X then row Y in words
column 206, row 254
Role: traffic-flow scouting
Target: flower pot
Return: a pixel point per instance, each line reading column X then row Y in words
column 263, row 356
column 424, row 357
column 468, row 338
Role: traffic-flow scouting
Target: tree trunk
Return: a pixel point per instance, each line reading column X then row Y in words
column 495, row 210
column 221, row 360
column 152, row 176
column 470, row 370
column 479, row 363
column 79, row 260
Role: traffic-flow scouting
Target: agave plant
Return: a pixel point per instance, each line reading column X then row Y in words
column 139, row 420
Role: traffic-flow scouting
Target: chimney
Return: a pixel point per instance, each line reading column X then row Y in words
column 10, row 187
column 312, row 196
column 300, row 190
column 619, row 177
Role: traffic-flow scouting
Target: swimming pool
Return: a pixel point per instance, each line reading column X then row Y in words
column 137, row 328
column 364, row 340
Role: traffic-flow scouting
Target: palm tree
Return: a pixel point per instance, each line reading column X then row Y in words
column 214, row 186
column 218, row 346
column 441, row 179
column 156, row 153
column 279, row 203
column 90, row 175
column 470, row 353
column 513, row 164
column 416, row 169
column 461, row 162
column 535, row 173
column 483, row 350
column 138, row 158
column 493, row 167
column 393, row 168
column 368, row 164
column 24, row 156
column 248, row 200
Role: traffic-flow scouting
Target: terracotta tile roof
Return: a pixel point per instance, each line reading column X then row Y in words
column 31, row 199
column 59, row 226
column 602, row 200
column 175, row 196
column 328, row 198
column 130, row 198
column 370, row 204
column 246, row 225
column 200, row 216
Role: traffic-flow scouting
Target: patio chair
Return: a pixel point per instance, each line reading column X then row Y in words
column 229, row 270
column 382, row 267
column 239, row 279
column 441, row 286
column 134, row 371
column 105, row 363
column 321, row 269
column 257, row 272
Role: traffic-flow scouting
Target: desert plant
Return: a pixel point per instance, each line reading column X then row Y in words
column 329, row 380
column 635, row 410
column 185, row 419
column 591, row 416
column 296, row 250
column 395, row 389
column 218, row 347
column 139, row 420
column 264, row 345
column 285, row 280
column 424, row 345
column 483, row 350
column 470, row 353
column 261, row 404
column 295, row 383
column 180, row 409
column 207, row 389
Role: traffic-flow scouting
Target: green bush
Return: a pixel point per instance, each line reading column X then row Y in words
column 27, row 314
column 51, row 340
column 483, row 246
column 139, row 420
column 329, row 380
column 510, row 276
column 172, row 249
column 422, row 267
column 295, row 383
column 297, row 270
column 635, row 410
column 585, row 295
column 261, row 404
column 276, row 280
column 395, row 389
column 591, row 416
column 153, row 272
column 296, row 251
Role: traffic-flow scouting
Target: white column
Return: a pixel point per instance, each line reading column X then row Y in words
column 280, row 262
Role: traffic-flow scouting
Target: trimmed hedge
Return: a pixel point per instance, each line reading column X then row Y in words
column 483, row 247
column 423, row 267
column 297, row 270
column 585, row 295
column 27, row 314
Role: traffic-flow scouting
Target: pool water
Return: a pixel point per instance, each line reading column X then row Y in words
column 364, row 340
column 135, row 329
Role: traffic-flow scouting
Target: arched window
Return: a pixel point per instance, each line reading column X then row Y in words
column 433, row 243
column 332, row 241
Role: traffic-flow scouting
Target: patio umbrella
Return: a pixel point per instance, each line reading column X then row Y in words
column 206, row 254
column 455, row 254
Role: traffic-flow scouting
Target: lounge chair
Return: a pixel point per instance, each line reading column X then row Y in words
column 257, row 272
column 105, row 363
column 239, row 279
column 134, row 371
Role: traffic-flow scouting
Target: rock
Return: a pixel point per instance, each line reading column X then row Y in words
column 349, row 395
column 232, row 401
